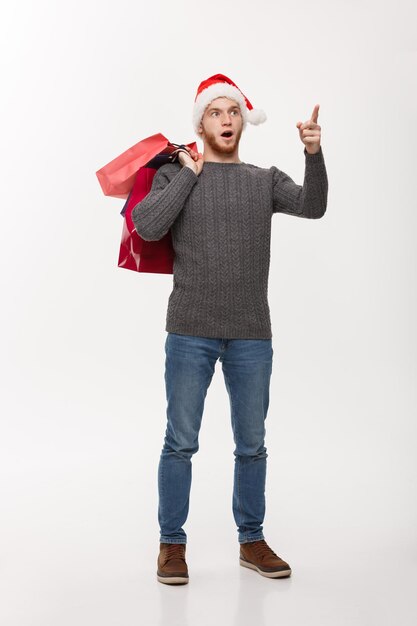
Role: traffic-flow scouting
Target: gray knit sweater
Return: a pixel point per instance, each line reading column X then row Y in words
column 220, row 225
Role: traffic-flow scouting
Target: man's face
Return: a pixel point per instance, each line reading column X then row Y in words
column 221, row 116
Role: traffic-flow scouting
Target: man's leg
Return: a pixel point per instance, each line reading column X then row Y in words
column 189, row 368
column 247, row 369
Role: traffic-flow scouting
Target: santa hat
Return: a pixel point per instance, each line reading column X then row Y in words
column 218, row 86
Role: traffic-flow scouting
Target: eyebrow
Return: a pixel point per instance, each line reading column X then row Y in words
column 236, row 106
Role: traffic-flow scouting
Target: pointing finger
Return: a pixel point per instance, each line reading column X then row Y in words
column 315, row 113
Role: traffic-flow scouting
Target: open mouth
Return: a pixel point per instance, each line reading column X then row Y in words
column 227, row 134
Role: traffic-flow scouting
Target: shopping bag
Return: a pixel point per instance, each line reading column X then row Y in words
column 116, row 178
column 130, row 176
column 135, row 253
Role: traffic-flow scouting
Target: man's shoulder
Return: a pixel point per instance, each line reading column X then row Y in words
column 258, row 170
column 255, row 167
column 169, row 169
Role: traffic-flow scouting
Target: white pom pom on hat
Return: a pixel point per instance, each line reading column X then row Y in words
column 218, row 86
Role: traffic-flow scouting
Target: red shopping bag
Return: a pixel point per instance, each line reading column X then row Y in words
column 117, row 177
column 130, row 176
column 135, row 253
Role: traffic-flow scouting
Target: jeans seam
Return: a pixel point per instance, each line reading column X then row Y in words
column 237, row 459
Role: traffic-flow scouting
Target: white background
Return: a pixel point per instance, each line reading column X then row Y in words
column 82, row 341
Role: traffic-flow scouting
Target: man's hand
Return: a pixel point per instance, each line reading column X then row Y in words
column 310, row 132
column 192, row 159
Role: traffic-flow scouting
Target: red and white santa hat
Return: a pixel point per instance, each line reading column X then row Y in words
column 218, row 86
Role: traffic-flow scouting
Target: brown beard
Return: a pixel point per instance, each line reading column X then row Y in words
column 221, row 148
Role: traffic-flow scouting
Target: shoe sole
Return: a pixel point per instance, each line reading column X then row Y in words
column 172, row 580
column 284, row 573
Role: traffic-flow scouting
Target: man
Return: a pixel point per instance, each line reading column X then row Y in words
column 219, row 212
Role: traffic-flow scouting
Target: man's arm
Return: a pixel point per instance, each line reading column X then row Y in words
column 154, row 215
column 308, row 200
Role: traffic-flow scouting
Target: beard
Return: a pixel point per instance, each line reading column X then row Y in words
column 219, row 146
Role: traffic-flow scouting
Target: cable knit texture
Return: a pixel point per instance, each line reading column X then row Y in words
column 220, row 225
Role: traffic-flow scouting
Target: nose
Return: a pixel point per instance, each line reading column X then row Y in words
column 226, row 118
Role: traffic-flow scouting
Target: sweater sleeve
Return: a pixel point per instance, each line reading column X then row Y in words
column 154, row 215
column 308, row 200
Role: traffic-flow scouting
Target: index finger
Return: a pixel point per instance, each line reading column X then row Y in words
column 315, row 114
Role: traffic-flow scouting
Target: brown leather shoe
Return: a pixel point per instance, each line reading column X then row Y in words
column 172, row 567
column 258, row 556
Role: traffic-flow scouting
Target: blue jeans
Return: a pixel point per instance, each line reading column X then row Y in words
column 189, row 367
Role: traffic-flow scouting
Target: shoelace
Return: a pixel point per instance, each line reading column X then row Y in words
column 174, row 551
column 262, row 549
